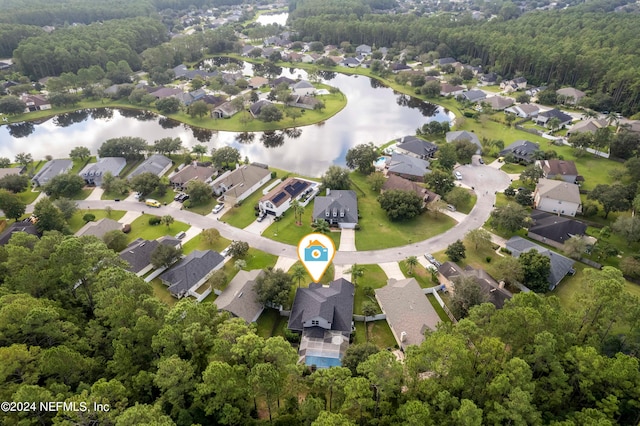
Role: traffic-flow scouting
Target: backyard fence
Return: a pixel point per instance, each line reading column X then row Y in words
column 362, row 318
column 434, row 291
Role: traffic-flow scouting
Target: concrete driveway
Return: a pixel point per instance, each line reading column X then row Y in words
column 129, row 217
column 192, row 232
column 259, row 227
column 96, row 194
column 392, row 269
column 347, row 240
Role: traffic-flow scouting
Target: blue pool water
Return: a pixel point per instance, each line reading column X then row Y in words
column 380, row 162
column 322, row 362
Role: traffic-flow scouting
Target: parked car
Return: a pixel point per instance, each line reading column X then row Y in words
column 480, row 160
column 180, row 235
column 451, row 207
column 458, row 175
column 217, row 209
column 261, row 217
column 224, row 252
column 432, row 259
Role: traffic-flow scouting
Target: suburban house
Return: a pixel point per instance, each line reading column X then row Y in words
column 191, row 272
column 409, row 313
column 571, row 95
column 138, row 253
column 338, row 208
column 489, row 78
column 415, row 147
column 474, row 95
column 560, row 169
column 239, row 297
column 257, row 82
column 99, row 227
column 238, row 184
column 447, row 89
column 306, row 102
column 165, row 92
column 543, row 118
column 278, row 81
column 157, row 164
column 35, row 102
column 401, row 184
column 6, row 171
column 407, row 166
column 257, row 106
column 363, row 49
column 498, row 103
column 561, row 266
column 24, row 226
column 554, row 230
column 93, row 172
column 464, row 135
column 278, row 200
column 323, row 314
column 50, row 170
column 497, row 295
column 523, row 151
column 518, row 83
column 557, row 196
column 524, row 110
column 587, row 126
column 187, row 98
column 350, row 62
column 445, row 61
column 302, row 88
column 225, row 110
column 191, row 172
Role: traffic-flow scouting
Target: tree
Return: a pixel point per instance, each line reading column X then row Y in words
column 167, row 145
column 628, row 227
column 356, row 354
column 298, row 211
column 12, row 105
column 226, row 156
column 614, row 198
column 467, row 294
column 554, row 124
column 11, row 205
column 273, row 287
column 270, row 113
column 116, row 240
column 294, row 114
column 439, row 181
column 49, row 216
column 14, row 183
column 144, row 414
column 535, row 270
column 356, row 272
column 458, row 196
column 480, row 238
column 165, row 255
column 524, row 197
column 199, row 192
column 298, row 273
column 376, row 180
column 198, row 108
column 238, row 249
column 456, row 251
column 24, row 159
column 128, row 147
column 199, row 150
column 447, row 156
column 167, row 220
column 510, row 217
column 400, row 205
column 65, row 185
column 510, row 118
column 336, row 177
column 431, row 89
column 531, row 174
column 240, row 264
column 509, row 269
column 211, row 235
column 321, row 226
column 465, row 150
column 67, row 207
column 80, row 153
column 5, row 162
column 361, row 157
column 145, row 183
column 412, row 262
column 168, row 105
column 575, row 247
column 523, row 98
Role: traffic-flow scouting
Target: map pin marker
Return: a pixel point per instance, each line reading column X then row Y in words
column 316, row 252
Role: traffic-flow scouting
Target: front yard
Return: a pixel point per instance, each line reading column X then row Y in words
column 140, row 228
column 76, row 222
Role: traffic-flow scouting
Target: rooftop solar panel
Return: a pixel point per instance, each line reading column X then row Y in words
column 279, row 197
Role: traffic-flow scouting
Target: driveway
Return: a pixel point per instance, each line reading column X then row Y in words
column 392, row 269
column 129, row 217
column 284, row 263
column 259, row 227
column 347, row 240
column 96, row 194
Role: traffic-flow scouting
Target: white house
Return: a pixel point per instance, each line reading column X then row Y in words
column 279, row 199
column 557, row 196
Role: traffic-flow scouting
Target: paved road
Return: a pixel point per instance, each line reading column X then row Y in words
column 485, row 181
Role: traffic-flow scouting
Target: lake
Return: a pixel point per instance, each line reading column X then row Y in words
column 373, row 113
column 275, row 18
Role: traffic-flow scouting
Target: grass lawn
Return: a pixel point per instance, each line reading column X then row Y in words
column 28, row 196
column 287, row 231
column 378, row 232
column 113, row 195
column 79, row 164
column 83, row 194
column 140, row 228
column 271, row 324
column 161, row 292
column 304, row 282
column 512, row 168
column 76, row 222
column 199, row 243
column 379, row 334
column 475, row 258
column 373, row 277
column 420, row 273
column 468, row 206
column 441, row 313
column 203, row 208
column 243, row 215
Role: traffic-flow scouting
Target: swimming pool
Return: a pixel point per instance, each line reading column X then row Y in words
column 380, row 162
column 322, row 362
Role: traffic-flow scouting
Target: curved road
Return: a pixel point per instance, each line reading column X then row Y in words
column 485, row 180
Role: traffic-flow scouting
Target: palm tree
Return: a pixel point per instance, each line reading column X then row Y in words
column 412, row 261
column 167, row 220
column 200, row 150
column 298, row 273
column 298, row 211
column 588, row 113
column 356, row 272
column 369, row 309
column 612, row 119
column 554, row 124
column 321, row 226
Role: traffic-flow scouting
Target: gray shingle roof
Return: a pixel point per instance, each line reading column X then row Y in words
column 138, row 254
column 407, row 165
column 417, row 146
column 99, row 228
column 464, row 135
column 50, row 170
column 522, row 150
column 93, row 172
column 555, row 228
column 343, row 203
column 474, row 95
column 156, row 164
column 239, row 297
column 190, row 270
column 333, row 303
column 8, row 232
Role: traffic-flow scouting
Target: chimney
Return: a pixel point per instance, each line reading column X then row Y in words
column 403, row 336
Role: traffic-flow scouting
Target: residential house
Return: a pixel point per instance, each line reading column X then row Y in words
column 278, row 81
column 138, row 253
column 464, row 135
column 523, row 151
column 590, row 126
column 302, row 88
column 323, row 314
column 338, row 208
column 350, row 62
column 157, row 164
column 99, row 228
column 180, row 71
column 572, row 96
column 473, row 96
column 213, row 101
column 513, row 85
column 187, row 98
column 535, row 90
column 363, row 49
column 495, row 292
column 554, row 230
column 401, row 184
column 398, row 67
column 257, row 82
column 225, row 110
column 556, row 196
column 305, row 102
column 489, row 78
column 543, row 118
column 35, row 102
column 524, row 110
column 165, row 92
column 256, row 107
column 499, row 103
column 415, row 147
column 445, row 61
column 24, row 226
column 188, row 274
column 239, row 298
column 561, row 266
column 409, row 313
column 278, row 200
column 6, row 171
column 236, row 185
column 560, row 169
column 191, row 172
column 94, row 172
column 407, row 166
column 447, row 89
column 50, row 170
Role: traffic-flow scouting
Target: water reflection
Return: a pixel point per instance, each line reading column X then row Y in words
column 21, row 130
column 427, row 109
column 272, row 139
column 168, row 123
column 376, row 84
column 66, row 120
column 245, row 137
column 202, row 135
column 138, row 115
column 101, row 113
column 328, row 75
column 277, row 18
column 293, row 133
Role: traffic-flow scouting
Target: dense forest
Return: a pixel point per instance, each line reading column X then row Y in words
column 76, row 327
column 591, row 51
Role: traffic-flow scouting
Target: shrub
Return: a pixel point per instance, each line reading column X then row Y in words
column 89, row 217
column 273, row 175
column 505, row 250
column 488, row 259
column 126, row 228
column 154, row 220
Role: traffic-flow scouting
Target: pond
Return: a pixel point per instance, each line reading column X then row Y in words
column 374, row 113
column 275, row 18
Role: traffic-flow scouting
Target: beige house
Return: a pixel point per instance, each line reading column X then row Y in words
column 557, row 196
column 238, row 184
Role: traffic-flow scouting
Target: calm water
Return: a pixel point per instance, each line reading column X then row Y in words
column 373, row 114
column 278, row 18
